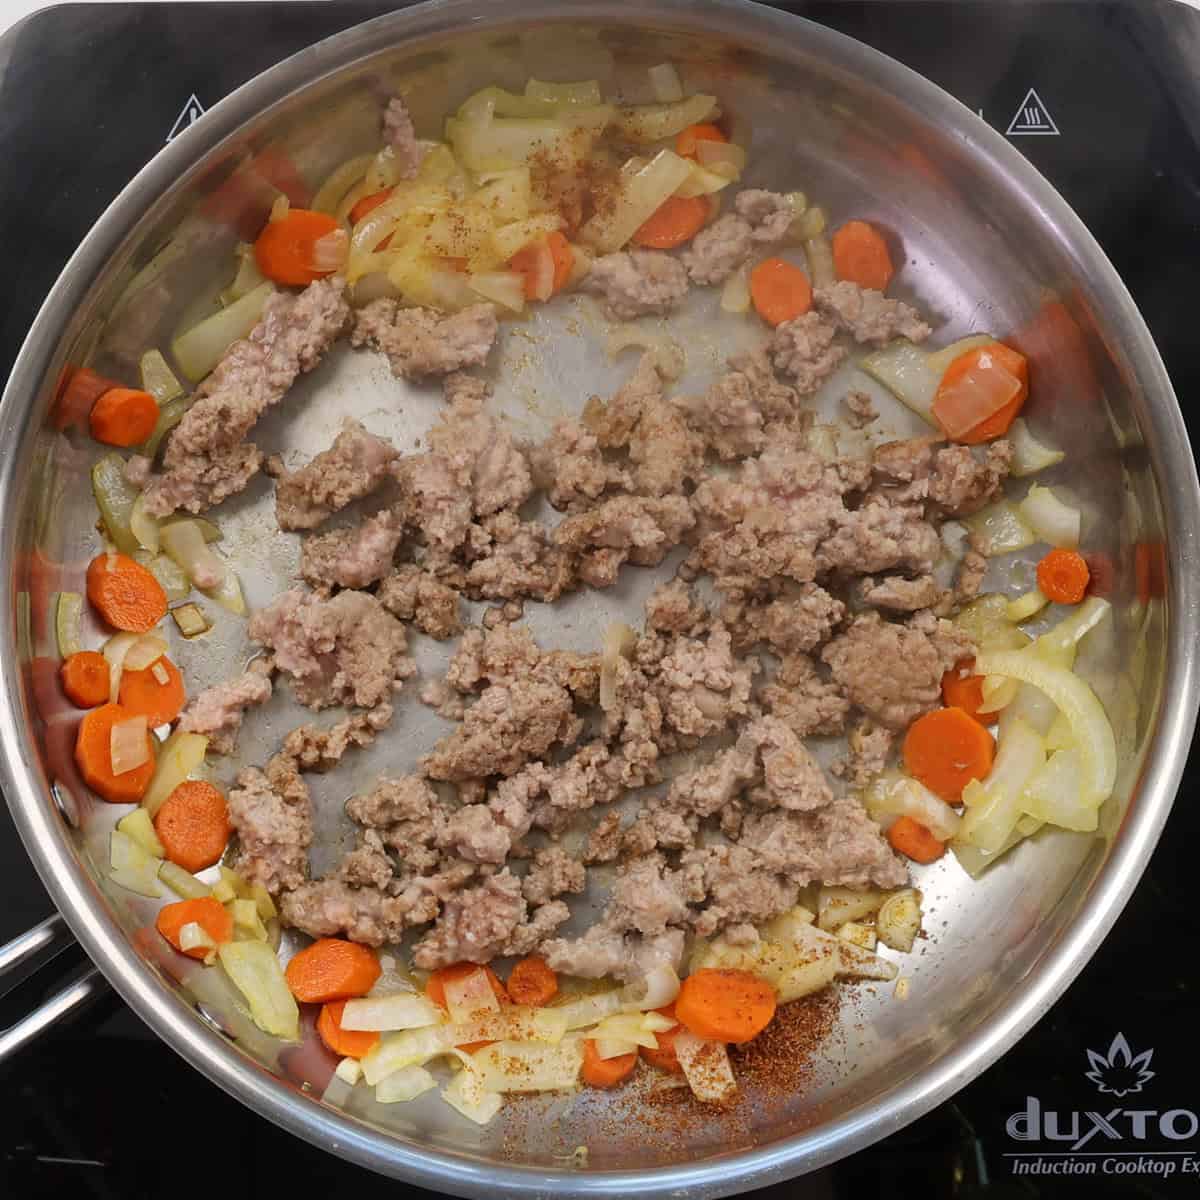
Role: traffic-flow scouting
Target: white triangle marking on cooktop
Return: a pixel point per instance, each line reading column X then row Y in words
column 191, row 112
column 1032, row 118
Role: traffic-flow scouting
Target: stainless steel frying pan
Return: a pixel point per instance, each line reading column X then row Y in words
column 989, row 245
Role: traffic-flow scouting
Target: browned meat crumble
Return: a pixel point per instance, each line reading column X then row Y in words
column 827, row 619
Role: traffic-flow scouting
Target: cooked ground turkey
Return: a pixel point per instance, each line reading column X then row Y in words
column 206, row 458
column 273, row 821
column 399, row 135
column 804, row 348
column 736, row 414
column 869, row 316
column 415, row 595
column 420, row 342
column 893, row 671
column 860, row 409
column 761, row 219
column 217, row 712
column 634, row 283
column 797, row 545
column 345, row 650
column 355, row 557
column 354, row 466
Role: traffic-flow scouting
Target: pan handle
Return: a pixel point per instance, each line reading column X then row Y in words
column 39, row 945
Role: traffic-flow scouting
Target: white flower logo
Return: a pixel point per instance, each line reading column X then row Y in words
column 1122, row 1073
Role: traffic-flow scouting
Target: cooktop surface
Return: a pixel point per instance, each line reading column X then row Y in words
column 1103, row 99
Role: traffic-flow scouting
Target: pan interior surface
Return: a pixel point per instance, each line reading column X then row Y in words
column 988, row 246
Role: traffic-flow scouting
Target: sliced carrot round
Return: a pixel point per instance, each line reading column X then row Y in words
column 123, row 417
column 532, row 982
column 946, row 749
column 143, row 692
column 780, row 291
column 93, row 754
column 600, row 1072
column 961, row 688
column 435, row 986
column 978, row 360
column 368, row 204
column 286, row 250
column 677, row 220
column 915, row 841
column 663, row 1056
column 861, row 255
column 348, row 1043
column 725, row 1005
column 85, row 678
column 193, row 825
column 1063, row 576
column 686, row 139
column 211, row 915
column 563, row 256
column 124, row 593
column 332, row 969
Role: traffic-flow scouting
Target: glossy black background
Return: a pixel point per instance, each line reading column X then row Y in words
column 88, row 94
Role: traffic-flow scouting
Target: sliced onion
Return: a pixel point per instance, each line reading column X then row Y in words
column 1026, row 606
column 999, row 529
column 329, row 252
column 1053, row 521
column 820, row 261
column 665, row 83
column 402, row 1010
column 339, row 182
column 588, row 1010
column 67, row 616
column 539, row 262
column 506, row 288
column 607, row 1047
column 470, row 997
column 193, row 936
column 899, row 920
column 129, row 745
column 669, row 358
column 530, row 1066
column 185, row 544
column 280, row 207
column 411, row 1047
column 809, row 224
column 140, row 827
column 450, row 290
column 658, row 989
column 980, row 392
column 146, row 651
column 1029, row 455
column 1054, row 794
column 132, row 867
column 706, row 1067
column 406, row 1084
column 998, row 693
column 1090, row 728
column 639, row 194
column 894, row 795
column 157, row 378
column 143, row 526
column 629, row 1029
column 181, row 754
column 255, row 970
column 706, row 181
column 349, row 1071
column 114, row 651
column 467, row 1095
column 200, row 349
column 735, row 294
column 712, row 154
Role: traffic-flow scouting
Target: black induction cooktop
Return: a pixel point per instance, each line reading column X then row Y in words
column 1105, row 100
